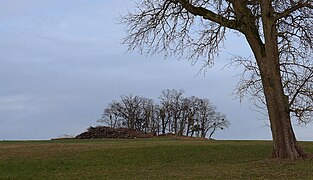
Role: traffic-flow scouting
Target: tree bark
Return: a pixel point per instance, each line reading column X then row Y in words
column 285, row 145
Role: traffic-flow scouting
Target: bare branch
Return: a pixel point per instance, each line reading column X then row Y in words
column 210, row 15
column 294, row 8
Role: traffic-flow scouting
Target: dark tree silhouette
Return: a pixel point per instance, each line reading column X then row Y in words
column 279, row 32
column 175, row 114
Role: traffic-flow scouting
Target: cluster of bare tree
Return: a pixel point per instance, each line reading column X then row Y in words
column 189, row 116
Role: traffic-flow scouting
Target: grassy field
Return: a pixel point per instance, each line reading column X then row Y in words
column 156, row 158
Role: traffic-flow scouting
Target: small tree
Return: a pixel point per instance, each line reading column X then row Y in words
column 171, row 100
column 111, row 116
column 218, row 122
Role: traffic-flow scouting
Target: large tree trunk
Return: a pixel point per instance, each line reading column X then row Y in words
column 267, row 57
column 285, row 143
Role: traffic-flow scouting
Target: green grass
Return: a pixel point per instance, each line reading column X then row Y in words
column 156, row 158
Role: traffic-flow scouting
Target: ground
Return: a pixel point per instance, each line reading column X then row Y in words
column 151, row 158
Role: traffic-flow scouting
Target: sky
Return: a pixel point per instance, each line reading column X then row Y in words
column 62, row 62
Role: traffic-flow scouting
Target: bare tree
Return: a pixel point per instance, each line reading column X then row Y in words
column 192, row 111
column 111, row 116
column 218, row 121
column 206, row 118
column 131, row 111
column 278, row 31
column 149, row 116
column 162, row 115
column 176, row 114
column 185, row 117
column 170, row 103
column 176, row 100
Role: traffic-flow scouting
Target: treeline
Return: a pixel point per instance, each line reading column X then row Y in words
column 174, row 113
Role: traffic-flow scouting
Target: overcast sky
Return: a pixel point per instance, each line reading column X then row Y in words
column 62, row 62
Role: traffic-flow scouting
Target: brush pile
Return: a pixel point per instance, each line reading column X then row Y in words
column 107, row 132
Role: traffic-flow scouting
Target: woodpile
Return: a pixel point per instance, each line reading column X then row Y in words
column 107, row 132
